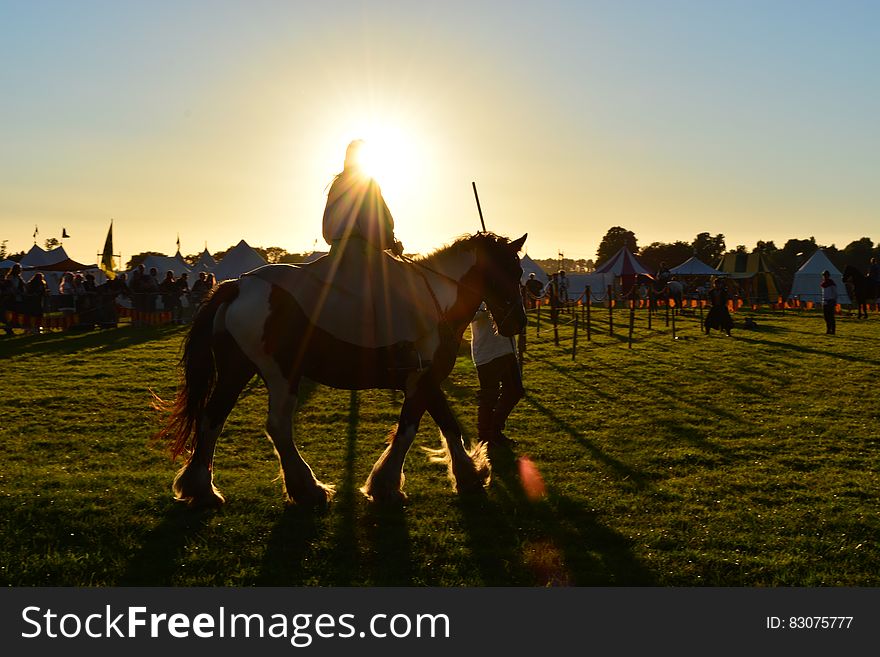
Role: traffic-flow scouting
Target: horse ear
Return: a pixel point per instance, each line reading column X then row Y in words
column 518, row 244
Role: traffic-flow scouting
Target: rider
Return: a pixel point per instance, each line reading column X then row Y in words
column 874, row 271
column 359, row 228
column 356, row 209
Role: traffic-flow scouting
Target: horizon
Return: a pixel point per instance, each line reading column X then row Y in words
column 222, row 121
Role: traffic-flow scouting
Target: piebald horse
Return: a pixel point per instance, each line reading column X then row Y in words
column 249, row 327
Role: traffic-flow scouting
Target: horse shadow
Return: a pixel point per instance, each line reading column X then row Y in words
column 369, row 545
column 160, row 555
column 516, row 539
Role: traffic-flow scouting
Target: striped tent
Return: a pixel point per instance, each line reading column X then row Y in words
column 751, row 272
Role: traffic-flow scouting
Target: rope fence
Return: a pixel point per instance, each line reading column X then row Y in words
column 577, row 318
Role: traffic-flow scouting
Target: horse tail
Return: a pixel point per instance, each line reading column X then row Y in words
column 198, row 374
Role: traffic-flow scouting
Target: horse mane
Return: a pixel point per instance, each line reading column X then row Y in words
column 464, row 243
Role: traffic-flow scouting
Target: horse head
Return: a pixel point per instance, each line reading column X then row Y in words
column 501, row 272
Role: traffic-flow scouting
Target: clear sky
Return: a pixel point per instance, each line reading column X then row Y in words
column 220, row 121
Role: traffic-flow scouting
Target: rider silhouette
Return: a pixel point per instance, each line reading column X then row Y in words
column 356, row 209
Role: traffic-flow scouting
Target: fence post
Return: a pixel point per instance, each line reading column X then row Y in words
column 632, row 321
column 554, row 315
column 666, row 303
column 589, row 303
column 610, row 313
column 574, row 339
column 700, row 302
column 673, row 326
column 538, row 321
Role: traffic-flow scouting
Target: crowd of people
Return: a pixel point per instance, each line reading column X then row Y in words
column 96, row 304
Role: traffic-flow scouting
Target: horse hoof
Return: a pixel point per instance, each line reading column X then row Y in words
column 390, row 498
column 317, row 498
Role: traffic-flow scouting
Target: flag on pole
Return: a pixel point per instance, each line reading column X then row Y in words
column 178, row 242
column 107, row 255
column 64, row 234
column 36, row 232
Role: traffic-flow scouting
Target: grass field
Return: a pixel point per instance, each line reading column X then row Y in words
column 701, row 461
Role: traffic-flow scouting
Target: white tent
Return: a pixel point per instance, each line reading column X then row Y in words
column 695, row 267
column 805, row 286
column 205, row 263
column 240, row 259
column 163, row 264
column 37, row 256
column 529, row 266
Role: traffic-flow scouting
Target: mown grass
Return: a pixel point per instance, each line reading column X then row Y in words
column 743, row 461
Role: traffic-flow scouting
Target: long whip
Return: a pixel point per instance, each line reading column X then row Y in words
column 483, row 224
column 479, row 209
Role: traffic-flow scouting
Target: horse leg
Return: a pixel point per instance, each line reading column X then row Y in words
column 470, row 471
column 194, row 482
column 385, row 483
column 300, row 484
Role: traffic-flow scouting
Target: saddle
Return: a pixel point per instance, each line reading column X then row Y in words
column 364, row 297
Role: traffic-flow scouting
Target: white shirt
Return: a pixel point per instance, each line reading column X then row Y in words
column 829, row 292
column 486, row 344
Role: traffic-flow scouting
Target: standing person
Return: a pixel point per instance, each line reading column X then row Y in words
column 534, row 289
column 719, row 316
column 199, row 290
column 501, row 385
column 829, row 302
column 563, row 287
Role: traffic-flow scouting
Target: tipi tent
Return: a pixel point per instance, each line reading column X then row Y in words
column 694, row 267
column 529, row 266
column 805, row 286
column 205, row 263
column 751, row 272
column 241, row 258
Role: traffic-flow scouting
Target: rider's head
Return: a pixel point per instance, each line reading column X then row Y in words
column 353, row 155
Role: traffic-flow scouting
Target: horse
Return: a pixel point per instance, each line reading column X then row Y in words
column 671, row 290
column 862, row 288
column 249, row 327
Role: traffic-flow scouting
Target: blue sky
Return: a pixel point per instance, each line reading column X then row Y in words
column 220, row 121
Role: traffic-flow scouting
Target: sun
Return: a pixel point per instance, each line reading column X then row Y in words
column 392, row 153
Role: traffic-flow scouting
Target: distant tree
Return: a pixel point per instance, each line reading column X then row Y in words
column 660, row 252
column 709, row 249
column 271, row 254
column 3, row 249
column 140, row 257
column 52, row 243
column 740, row 248
column 294, row 258
column 767, row 248
column 615, row 239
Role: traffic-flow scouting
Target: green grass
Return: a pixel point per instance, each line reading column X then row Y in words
column 743, row 461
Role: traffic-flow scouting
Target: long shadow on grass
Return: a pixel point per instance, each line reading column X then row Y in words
column 103, row 340
column 156, row 563
column 345, row 544
column 516, row 540
column 625, row 472
column 800, row 349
